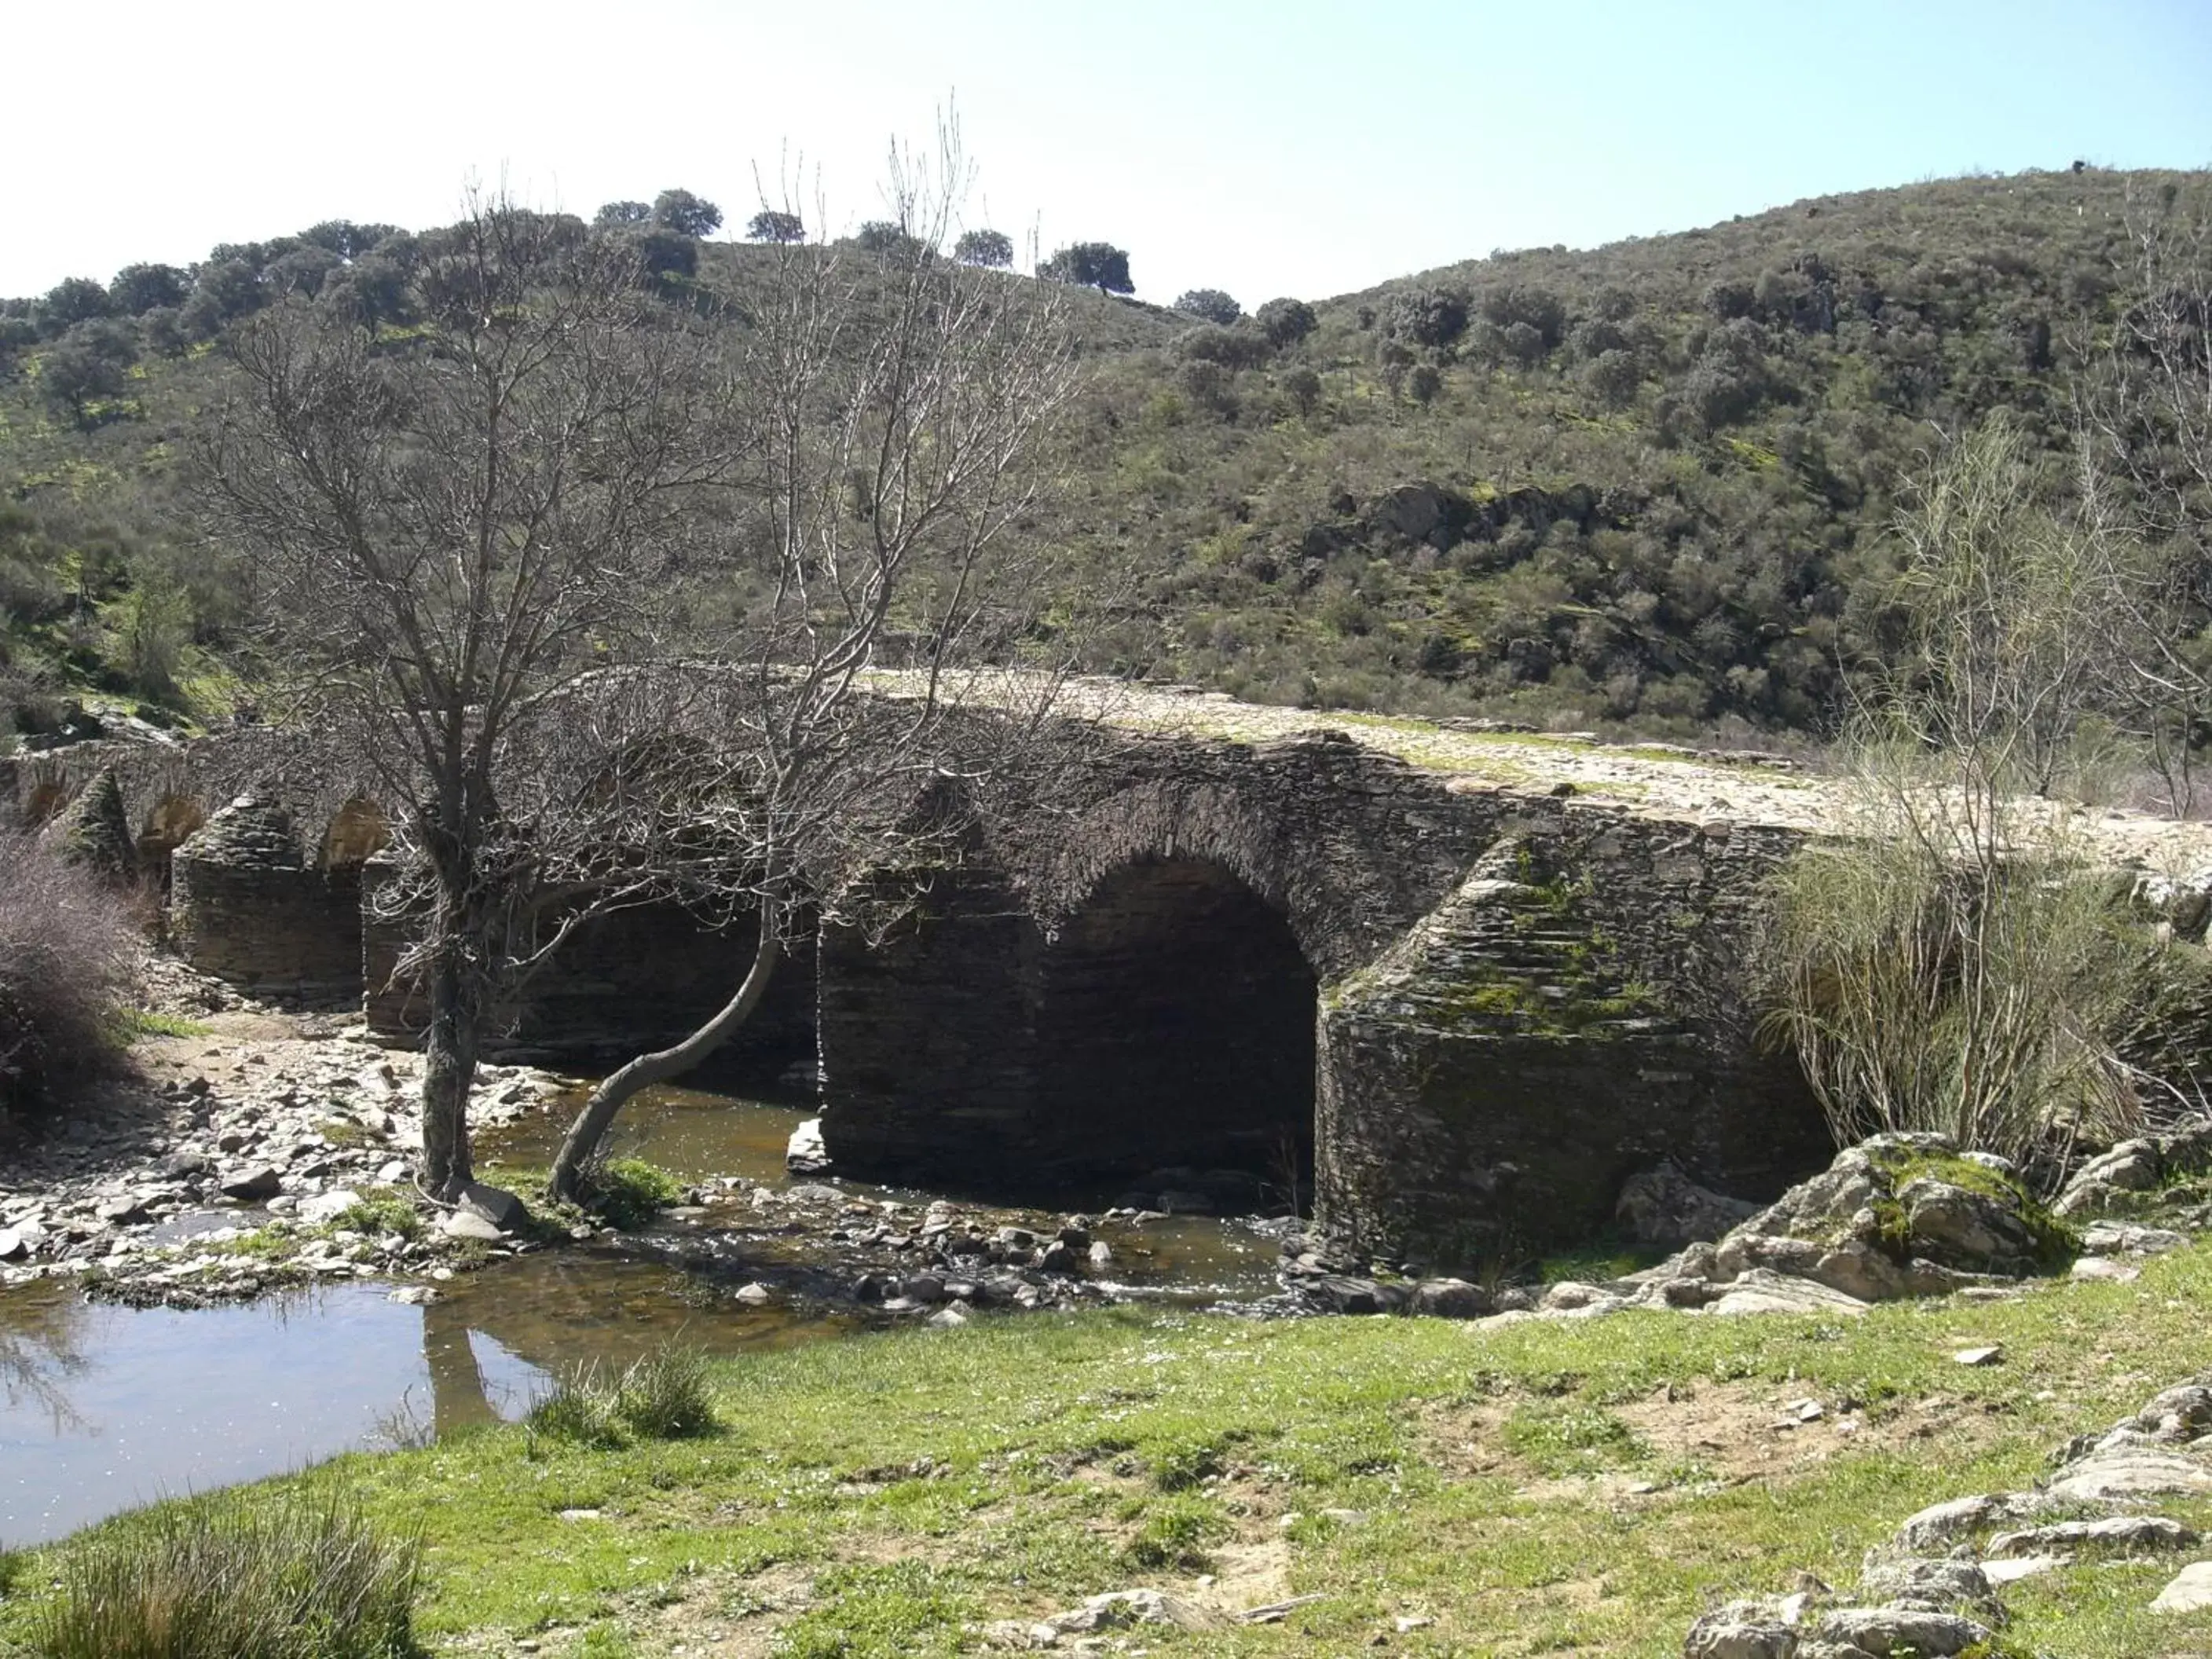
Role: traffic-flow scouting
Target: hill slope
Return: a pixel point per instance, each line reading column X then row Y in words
column 1648, row 483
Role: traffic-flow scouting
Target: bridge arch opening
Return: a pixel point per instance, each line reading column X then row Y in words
column 357, row 833
column 1175, row 1035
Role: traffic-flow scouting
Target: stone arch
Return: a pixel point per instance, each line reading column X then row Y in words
column 43, row 800
column 171, row 822
column 1174, row 1018
column 357, row 832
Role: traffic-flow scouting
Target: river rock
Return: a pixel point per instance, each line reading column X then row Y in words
column 326, row 1207
column 806, row 1153
column 252, row 1184
column 468, row 1224
column 1664, row 1209
column 495, row 1204
column 1340, row 1293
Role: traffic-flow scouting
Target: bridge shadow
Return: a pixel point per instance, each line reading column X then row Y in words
column 1174, row 1028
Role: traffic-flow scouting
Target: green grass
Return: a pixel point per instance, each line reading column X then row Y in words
column 1533, row 1488
column 665, row 1395
column 629, row 1192
column 145, row 1023
column 304, row 1577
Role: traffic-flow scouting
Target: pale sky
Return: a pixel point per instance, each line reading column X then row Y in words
column 1282, row 147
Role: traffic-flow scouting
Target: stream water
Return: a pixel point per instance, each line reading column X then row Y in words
column 102, row 1408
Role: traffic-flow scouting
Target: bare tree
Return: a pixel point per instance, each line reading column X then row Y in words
column 2144, row 416
column 447, row 536
column 894, row 404
column 1953, row 963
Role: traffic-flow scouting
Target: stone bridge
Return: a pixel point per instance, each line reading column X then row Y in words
column 1463, row 1003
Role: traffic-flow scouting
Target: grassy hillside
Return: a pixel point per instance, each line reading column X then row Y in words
column 1667, row 466
column 1648, row 483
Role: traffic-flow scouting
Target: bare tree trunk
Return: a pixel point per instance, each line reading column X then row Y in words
column 449, row 1071
column 592, row 1124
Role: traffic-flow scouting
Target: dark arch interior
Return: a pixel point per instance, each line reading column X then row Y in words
column 1175, row 1031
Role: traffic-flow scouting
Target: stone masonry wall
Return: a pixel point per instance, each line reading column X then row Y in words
column 246, row 906
column 623, row 982
column 1582, row 1006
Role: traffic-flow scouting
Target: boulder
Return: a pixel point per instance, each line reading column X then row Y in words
column 495, row 1204
column 93, row 830
column 806, row 1153
column 1932, row 1584
column 2124, row 1473
column 2127, row 1238
column 1891, row 1630
column 1760, row 1291
column 1125, row 1609
column 1959, row 1227
column 1741, row 1629
column 2119, row 1532
column 2179, row 1413
column 1942, row 1524
column 1449, row 1298
column 2107, row 1179
column 252, row 1184
column 2190, row 1591
column 1664, row 1209
column 326, row 1207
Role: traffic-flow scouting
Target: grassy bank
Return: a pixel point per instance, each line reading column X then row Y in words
column 1541, row 1488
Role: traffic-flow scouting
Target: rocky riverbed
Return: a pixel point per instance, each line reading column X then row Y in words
column 250, row 1149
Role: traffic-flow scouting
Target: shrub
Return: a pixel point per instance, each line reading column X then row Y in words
column 579, row 1408
column 1240, row 347
column 1175, row 1534
column 665, row 1395
column 1429, row 316
column 629, row 1192
column 1210, row 304
column 993, row 250
column 302, row 1577
column 65, row 947
column 1286, row 322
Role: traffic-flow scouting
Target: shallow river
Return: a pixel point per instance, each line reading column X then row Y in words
column 105, row 1407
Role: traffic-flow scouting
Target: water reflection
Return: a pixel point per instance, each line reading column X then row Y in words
column 105, row 1407
column 40, row 1350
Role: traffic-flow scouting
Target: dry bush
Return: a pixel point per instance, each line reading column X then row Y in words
column 1938, row 972
column 66, row 947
